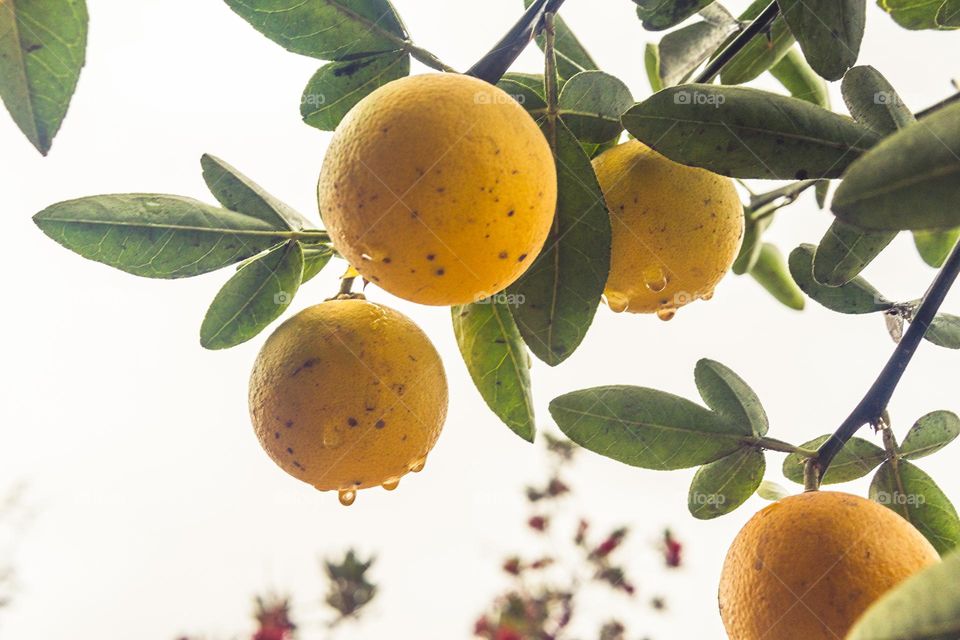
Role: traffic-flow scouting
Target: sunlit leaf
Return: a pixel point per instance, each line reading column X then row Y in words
column 845, row 251
column 929, row 434
column 591, row 104
column 770, row 270
column 726, row 393
column 800, row 80
column 238, row 193
column 663, row 14
column 856, row 296
column 857, row 458
column 721, row 486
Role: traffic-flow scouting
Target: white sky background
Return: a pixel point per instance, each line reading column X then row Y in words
column 156, row 511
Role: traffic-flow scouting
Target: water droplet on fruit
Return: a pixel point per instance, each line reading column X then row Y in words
column 332, row 438
column 655, row 279
column 617, row 302
column 391, row 483
column 347, row 496
column 418, row 465
column 666, row 313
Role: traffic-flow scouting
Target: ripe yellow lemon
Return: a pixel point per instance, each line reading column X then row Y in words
column 676, row 229
column 807, row 566
column 439, row 188
column 347, row 395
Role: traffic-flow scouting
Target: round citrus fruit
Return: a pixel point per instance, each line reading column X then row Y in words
column 807, row 566
column 676, row 229
column 347, row 395
column 439, row 188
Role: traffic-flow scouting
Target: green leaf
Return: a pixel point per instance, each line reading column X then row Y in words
column 525, row 88
column 944, row 331
column 663, row 14
column 314, row 260
column 746, row 133
column 558, row 295
column 762, row 52
column 572, row 57
column 929, row 434
column 904, row 181
column 336, row 87
column 326, row 29
column 591, row 104
column 493, row 351
column 752, row 242
column 720, row 487
column 793, row 72
column 935, row 246
column 726, row 393
column 917, row 14
column 873, row 102
column 156, row 236
column 845, row 251
column 651, row 63
column 857, row 458
column 913, row 494
column 829, row 32
column 821, row 191
column 923, row 607
column 254, row 297
column 948, row 16
column 42, row 49
column 239, row 193
column 645, row 427
column 683, row 50
column 770, row 270
column 856, row 296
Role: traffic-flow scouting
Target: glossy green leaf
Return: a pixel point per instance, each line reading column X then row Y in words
column 663, row 14
column 944, row 331
column 762, row 52
column 856, row 296
column 254, row 297
column 771, row 271
column 645, row 427
column 42, row 49
column 651, row 64
column 558, row 295
column 525, row 88
column 156, row 236
column 873, row 102
column 772, row 491
column 337, row 86
column 845, row 251
column 591, row 104
column 752, row 243
column 857, row 458
column 726, row 393
column 793, row 72
column 325, row 29
column 314, row 260
column 239, row 193
column 747, row 133
column 935, row 246
column 721, row 486
column 929, row 434
column 683, row 50
column 948, row 15
column 923, row 607
column 904, row 181
column 572, row 56
column 821, row 191
column 906, row 489
column 917, row 14
column 499, row 365
column 829, row 32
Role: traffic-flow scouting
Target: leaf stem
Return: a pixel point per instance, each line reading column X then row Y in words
column 874, row 403
column 550, row 80
column 422, row 55
column 772, row 444
column 758, row 25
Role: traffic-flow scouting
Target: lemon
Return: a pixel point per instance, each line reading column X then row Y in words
column 807, row 566
column 439, row 188
column 676, row 229
column 348, row 395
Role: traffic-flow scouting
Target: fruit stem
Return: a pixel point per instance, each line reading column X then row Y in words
column 759, row 24
column 811, row 477
column 871, row 408
column 346, row 286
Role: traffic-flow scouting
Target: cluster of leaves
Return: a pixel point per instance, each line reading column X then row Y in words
column 541, row 602
column 348, row 593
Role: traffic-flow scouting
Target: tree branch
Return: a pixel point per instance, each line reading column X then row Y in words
column 493, row 65
column 759, row 24
column 874, row 403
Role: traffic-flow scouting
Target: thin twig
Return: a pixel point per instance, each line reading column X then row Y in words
column 493, row 65
column 758, row 25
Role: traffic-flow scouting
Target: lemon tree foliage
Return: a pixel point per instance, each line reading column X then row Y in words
column 771, row 272
column 828, row 31
column 917, row 609
column 237, row 192
column 720, row 487
column 663, row 14
column 761, row 52
column 905, row 488
column 857, row 458
column 681, row 51
column 796, row 75
column 572, row 57
column 934, row 14
column 42, row 50
column 495, row 356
